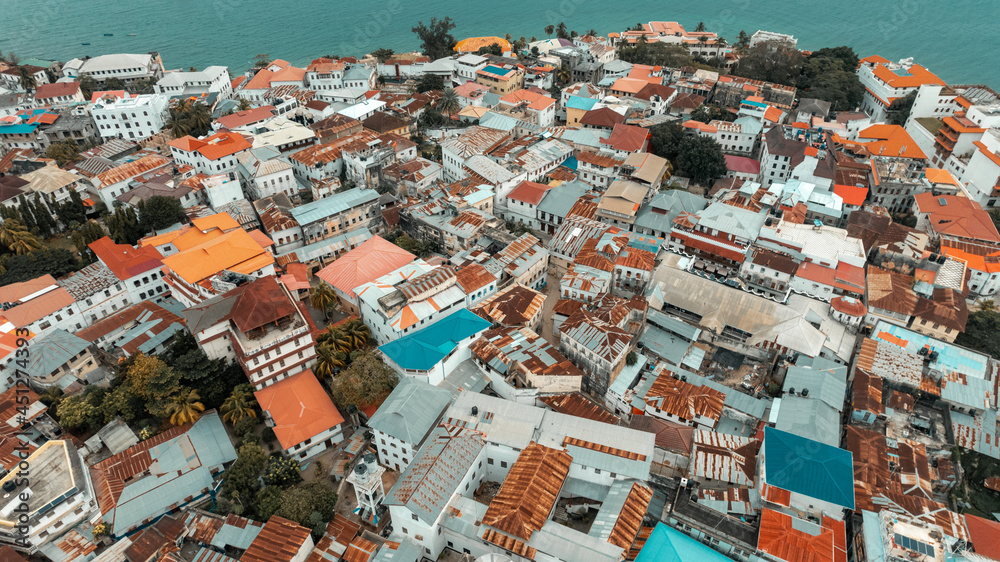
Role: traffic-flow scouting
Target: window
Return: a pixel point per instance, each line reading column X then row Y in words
column 414, row 516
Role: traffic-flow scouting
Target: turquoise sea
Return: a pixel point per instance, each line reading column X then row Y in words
column 957, row 39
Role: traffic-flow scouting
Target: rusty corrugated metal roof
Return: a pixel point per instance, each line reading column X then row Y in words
column 529, row 492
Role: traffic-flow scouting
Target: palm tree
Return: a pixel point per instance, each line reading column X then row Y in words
column 26, row 78
column 700, row 28
column 563, row 75
column 986, row 305
column 358, row 333
column 328, row 360
column 339, row 340
column 324, row 298
column 200, row 118
column 549, row 29
column 238, row 405
column 592, row 32
column 448, row 102
column 244, row 105
column 17, row 239
column 185, row 407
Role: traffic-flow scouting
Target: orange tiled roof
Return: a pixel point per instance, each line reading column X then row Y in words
column 37, row 307
column 915, row 77
column 299, row 407
column 957, row 216
column 279, row 541
column 779, row 538
column 369, row 261
column 473, row 44
column 219, row 145
column 235, row 250
column 890, row 140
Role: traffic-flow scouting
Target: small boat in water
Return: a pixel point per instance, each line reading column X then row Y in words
column 85, row 43
column 109, row 34
column 131, row 34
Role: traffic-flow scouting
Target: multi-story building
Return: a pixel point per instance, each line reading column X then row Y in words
column 212, row 80
column 215, row 154
column 417, row 295
column 885, row 82
column 720, row 233
column 97, row 292
column 117, row 181
column 501, row 79
column 265, row 172
column 473, row 141
column 405, row 419
column 258, row 325
column 60, row 493
column 338, row 214
column 39, row 306
column 598, row 347
column 137, row 268
column 304, row 419
column 125, row 67
column 134, row 117
column 216, row 266
column 59, row 94
column 730, row 91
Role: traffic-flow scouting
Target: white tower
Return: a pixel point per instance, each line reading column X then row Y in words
column 367, row 481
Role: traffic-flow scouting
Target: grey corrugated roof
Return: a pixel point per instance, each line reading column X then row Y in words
column 732, row 220
column 53, row 351
column 332, row 205
column 672, row 202
column 411, row 411
column 828, row 385
column 559, row 200
column 809, row 418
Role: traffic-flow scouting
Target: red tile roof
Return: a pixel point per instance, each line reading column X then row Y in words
column 219, row 145
column 890, row 140
column 957, row 216
column 300, row 408
column 985, row 535
column 742, row 164
column 241, row 118
column 369, row 261
column 529, row 192
column 59, row 89
column 46, row 297
column 627, row 138
column 124, row 260
column 779, row 538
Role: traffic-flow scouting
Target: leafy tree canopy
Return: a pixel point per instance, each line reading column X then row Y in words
column 436, row 39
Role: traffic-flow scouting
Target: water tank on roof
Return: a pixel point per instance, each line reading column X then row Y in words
column 791, row 390
column 370, row 458
column 475, row 410
column 805, row 392
column 360, row 469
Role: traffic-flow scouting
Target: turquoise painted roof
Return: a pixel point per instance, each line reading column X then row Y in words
column 580, row 102
column 666, row 544
column 424, row 348
column 809, row 467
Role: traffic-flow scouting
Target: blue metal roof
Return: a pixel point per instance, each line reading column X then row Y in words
column 666, row 544
column 424, row 348
column 19, row 129
column 580, row 102
column 571, row 163
column 808, row 467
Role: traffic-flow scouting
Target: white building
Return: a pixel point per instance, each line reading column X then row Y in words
column 137, row 268
column 266, row 172
column 215, row 154
column 405, row 419
column 304, row 419
column 886, row 82
column 125, row 67
column 61, row 495
column 97, row 293
column 221, row 189
column 762, row 36
column 214, row 79
column 133, row 117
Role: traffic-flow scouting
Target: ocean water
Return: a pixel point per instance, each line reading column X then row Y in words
column 957, row 39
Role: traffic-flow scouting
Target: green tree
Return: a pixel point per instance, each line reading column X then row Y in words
column 88, row 85
column 436, row 39
column 700, row 28
column 449, row 102
column 27, row 214
column 744, row 41
column 656, row 54
column 73, row 211
column 243, row 105
column 282, row 472
column 701, row 159
column 899, row 110
column 981, row 333
column 665, row 140
column 153, row 380
column 89, row 231
column 429, row 82
column 14, row 236
column 432, row 118
column 324, row 298
column 770, row 61
column 124, row 226
column 122, row 403
column 310, row 504
column 261, row 60
column 492, row 49
column 383, row 55
column 242, row 479
column 76, row 412
column 185, row 407
column 18, row 268
column 43, row 218
column 632, row 358
column 328, row 360
column 240, row 404
column 357, row 333
column 112, row 84
column 63, row 152
column 561, row 31
column 159, row 212
column 26, row 78
column 366, row 381
column 549, row 30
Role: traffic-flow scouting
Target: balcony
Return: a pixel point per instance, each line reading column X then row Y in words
column 268, row 336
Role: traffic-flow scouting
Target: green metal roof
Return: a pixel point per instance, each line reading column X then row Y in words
column 666, row 544
column 808, row 467
column 424, row 348
column 53, row 351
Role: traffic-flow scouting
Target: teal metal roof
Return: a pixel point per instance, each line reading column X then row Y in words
column 666, row 544
column 53, row 351
column 580, row 102
column 410, row 411
column 808, row 467
column 423, row 349
column 332, row 205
